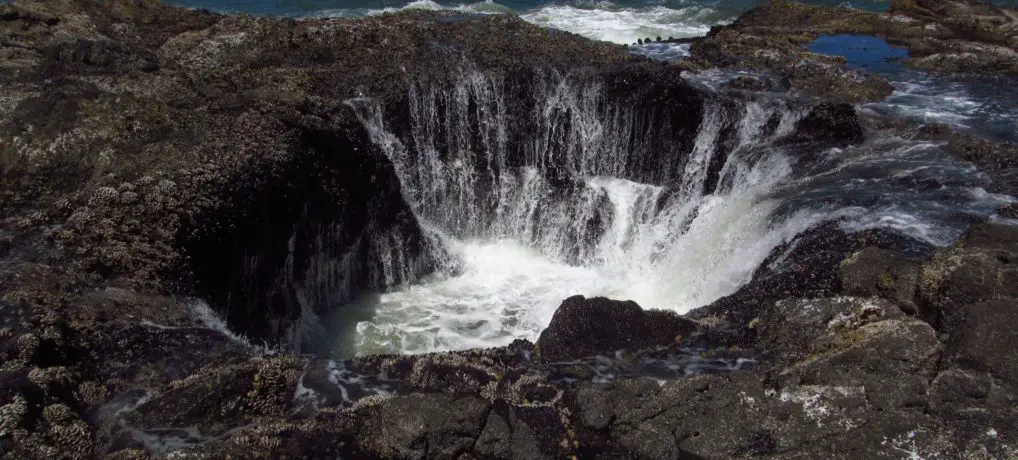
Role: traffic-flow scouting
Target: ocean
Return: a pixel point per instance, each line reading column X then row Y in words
column 622, row 21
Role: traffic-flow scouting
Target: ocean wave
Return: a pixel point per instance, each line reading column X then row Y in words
column 626, row 25
column 485, row 7
column 594, row 19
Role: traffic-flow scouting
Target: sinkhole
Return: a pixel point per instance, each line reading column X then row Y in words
column 460, row 214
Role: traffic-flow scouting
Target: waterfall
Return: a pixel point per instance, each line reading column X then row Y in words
column 568, row 191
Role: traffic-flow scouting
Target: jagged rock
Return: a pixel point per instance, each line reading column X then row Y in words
column 737, row 416
column 584, row 327
column 806, row 267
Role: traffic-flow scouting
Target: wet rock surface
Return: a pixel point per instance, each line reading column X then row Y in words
column 583, row 327
column 151, row 153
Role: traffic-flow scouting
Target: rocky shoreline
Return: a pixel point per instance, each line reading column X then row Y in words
column 151, row 155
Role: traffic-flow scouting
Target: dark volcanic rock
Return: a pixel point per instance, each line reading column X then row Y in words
column 806, row 267
column 584, row 327
column 830, row 123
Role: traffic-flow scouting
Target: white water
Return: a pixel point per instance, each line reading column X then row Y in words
column 626, row 25
column 539, row 244
column 599, row 21
column 521, row 244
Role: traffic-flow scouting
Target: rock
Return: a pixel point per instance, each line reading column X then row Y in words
column 879, row 350
column 746, row 83
column 738, row 416
column 881, row 272
column 977, row 409
column 806, row 267
column 790, row 326
column 826, row 122
column 978, row 269
column 420, row 426
column 837, row 83
column 981, row 335
column 494, row 441
column 583, row 327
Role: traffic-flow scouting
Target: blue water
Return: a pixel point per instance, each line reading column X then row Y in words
column 983, row 104
column 868, row 53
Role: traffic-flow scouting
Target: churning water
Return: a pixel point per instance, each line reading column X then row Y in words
column 570, row 217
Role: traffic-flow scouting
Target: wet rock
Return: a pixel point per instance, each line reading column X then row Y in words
column 747, row 83
column 806, row 267
column 584, row 327
column 827, row 122
column 881, row 272
column 834, row 82
column 494, row 441
column 222, row 397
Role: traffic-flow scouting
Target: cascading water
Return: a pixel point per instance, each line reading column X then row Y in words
column 590, row 199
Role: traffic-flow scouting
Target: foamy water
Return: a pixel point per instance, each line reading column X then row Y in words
column 672, row 248
column 626, row 25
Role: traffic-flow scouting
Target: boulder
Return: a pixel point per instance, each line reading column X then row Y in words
column 583, row 327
